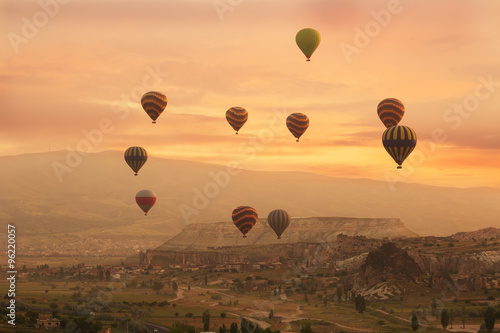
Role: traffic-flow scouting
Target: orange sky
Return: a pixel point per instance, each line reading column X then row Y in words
column 68, row 65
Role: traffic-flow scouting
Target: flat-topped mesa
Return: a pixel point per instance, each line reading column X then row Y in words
column 301, row 230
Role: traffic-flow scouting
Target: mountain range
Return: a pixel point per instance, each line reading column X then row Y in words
column 57, row 194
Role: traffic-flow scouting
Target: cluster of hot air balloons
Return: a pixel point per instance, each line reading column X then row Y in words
column 245, row 217
column 153, row 102
column 399, row 141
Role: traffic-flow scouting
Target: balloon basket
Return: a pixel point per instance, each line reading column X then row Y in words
column 400, row 167
column 308, row 59
column 244, row 236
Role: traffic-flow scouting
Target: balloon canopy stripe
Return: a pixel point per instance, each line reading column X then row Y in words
column 390, row 111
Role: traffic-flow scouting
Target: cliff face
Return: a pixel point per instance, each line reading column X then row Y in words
column 301, row 230
column 464, row 264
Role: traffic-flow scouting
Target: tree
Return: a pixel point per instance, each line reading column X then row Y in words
column 206, row 320
column 175, row 286
column 271, row 314
column 445, row 318
column 464, row 316
column 452, row 316
column 108, row 275
column 223, row 315
column 306, row 329
column 233, row 328
column 489, row 319
column 339, row 294
column 414, row 322
column 223, row 328
column 360, row 303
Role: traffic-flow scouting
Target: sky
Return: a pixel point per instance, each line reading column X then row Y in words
column 72, row 73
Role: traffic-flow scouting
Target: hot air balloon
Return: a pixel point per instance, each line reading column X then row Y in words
column 135, row 158
column 154, row 103
column 236, row 117
column 146, row 200
column 244, row 217
column 278, row 220
column 399, row 141
column 297, row 123
column 308, row 41
column 390, row 111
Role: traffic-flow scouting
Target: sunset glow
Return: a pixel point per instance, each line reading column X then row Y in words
column 93, row 60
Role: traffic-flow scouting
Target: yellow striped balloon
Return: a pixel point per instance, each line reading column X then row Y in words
column 236, row 117
column 390, row 111
column 399, row 141
column 278, row 220
column 244, row 217
column 297, row 124
column 136, row 157
column 154, row 103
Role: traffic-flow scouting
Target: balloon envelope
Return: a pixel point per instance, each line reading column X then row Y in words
column 136, row 157
column 399, row 141
column 244, row 217
column 236, row 117
column 146, row 200
column 154, row 103
column 308, row 41
column 297, row 124
column 278, row 220
column 390, row 111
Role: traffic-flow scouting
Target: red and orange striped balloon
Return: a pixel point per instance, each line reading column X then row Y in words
column 297, row 124
column 390, row 111
column 244, row 217
column 236, row 117
column 154, row 103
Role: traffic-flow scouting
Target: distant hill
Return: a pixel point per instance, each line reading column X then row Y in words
column 486, row 233
column 301, row 230
column 96, row 197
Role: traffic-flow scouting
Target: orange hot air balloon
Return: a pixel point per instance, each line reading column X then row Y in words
column 390, row 111
column 154, row 103
column 236, row 117
column 244, row 217
column 297, row 124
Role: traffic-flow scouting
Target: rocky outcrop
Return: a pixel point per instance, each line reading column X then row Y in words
column 301, row 230
column 387, row 263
